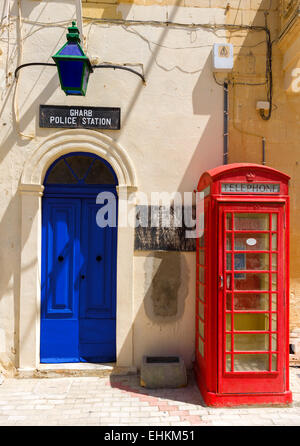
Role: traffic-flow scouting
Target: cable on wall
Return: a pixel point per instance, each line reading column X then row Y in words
column 212, row 27
column 170, row 24
column 20, row 56
column 269, row 75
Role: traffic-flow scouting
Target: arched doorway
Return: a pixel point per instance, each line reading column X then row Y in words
column 78, row 261
column 31, row 191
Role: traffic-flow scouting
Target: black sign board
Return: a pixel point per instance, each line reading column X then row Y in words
column 60, row 116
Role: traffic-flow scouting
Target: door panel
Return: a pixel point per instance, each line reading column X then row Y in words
column 63, row 238
column 59, row 341
column 97, row 341
column 97, row 325
column 98, row 253
column 60, row 260
column 251, row 261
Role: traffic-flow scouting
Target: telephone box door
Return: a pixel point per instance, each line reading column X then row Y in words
column 251, row 313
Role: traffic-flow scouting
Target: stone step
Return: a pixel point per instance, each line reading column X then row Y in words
column 79, row 370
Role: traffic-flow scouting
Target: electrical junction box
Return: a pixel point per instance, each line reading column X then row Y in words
column 222, row 57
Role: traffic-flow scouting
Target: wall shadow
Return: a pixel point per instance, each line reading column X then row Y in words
column 165, row 295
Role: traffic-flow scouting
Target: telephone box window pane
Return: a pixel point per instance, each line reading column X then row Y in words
column 274, row 321
column 201, row 292
column 251, row 321
column 274, row 282
column 251, row 242
column 201, row 310
column 201, row 257
column 228, row 281
column 274, row 242
column 249, row 281
column 201, row 223
column 228, row 363
column 251, row 261
column 228, row 343
column 202, row 275
column 228, row 261
column 274, row 363
column 274, row 302
column 251, row 363
column 274, row 222
column 228, row 322
column 274, row 262
column 274, row 342
column 251, row 301
column 229, row 222
column 250, row 221
column 201, row 241
column 251, row 342
column 228, row 302
column 201, row 329
column 228, row 242
column 201, row 348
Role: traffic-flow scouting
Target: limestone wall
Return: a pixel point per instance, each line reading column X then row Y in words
column 172, row 128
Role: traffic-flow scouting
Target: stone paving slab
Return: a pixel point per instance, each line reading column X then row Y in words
column 121, row 401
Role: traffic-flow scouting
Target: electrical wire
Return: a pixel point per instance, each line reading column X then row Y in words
column 221, row 84
column 8, row 41
column 167, row 23
column 15, row 102
column 269, row 77
column 211, row 27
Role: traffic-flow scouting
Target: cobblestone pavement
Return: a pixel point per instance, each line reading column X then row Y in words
column 119, row 400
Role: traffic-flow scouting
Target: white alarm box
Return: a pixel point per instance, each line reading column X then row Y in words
column 222, row 57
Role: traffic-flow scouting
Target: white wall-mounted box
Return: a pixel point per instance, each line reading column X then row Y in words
column 222, row 57
column 262, row 105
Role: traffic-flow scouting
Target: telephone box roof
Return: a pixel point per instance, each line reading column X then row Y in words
column 229, row 170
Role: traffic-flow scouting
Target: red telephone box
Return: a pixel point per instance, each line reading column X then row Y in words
column 242, row 294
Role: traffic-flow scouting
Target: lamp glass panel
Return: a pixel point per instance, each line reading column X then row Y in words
column 72, row 49
column 85, row 78
column 71, row 73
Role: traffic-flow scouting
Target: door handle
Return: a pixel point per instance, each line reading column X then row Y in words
column 221, row 282
column 60, row 258
column 98, row 258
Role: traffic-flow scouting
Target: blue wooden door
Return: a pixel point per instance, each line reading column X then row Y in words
column 78, row 308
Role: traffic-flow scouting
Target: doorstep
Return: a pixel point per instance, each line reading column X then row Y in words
column 75, row 369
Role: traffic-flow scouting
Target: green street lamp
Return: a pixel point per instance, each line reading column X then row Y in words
column 73, row 65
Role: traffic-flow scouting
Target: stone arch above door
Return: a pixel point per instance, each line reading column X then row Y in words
column 78, row 140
